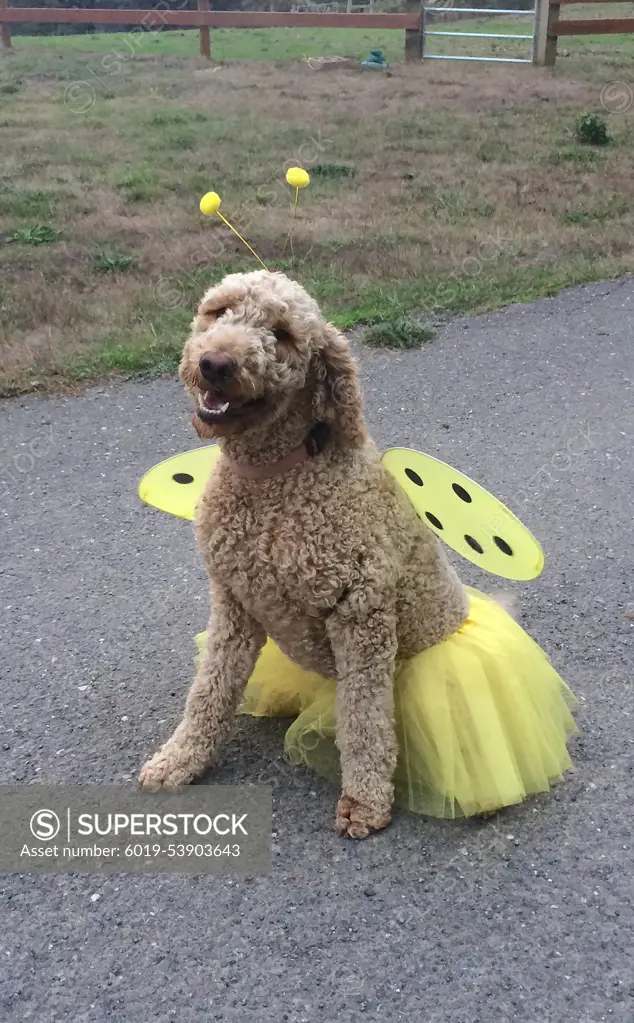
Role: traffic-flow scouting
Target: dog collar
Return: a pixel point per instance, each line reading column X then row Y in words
column 313, row 445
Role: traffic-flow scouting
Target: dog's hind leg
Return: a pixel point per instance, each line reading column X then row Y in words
column 364, row 645
column 233, row 644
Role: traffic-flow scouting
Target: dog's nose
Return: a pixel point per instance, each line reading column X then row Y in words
column 217, row 368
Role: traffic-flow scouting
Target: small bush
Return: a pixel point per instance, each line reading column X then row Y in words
column 403, row 332
column 592, row 130
column 40, row 234
column 111, row 262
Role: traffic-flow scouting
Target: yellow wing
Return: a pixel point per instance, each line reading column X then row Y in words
column 175, row 485
column 469, row 519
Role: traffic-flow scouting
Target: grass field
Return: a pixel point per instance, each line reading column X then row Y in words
column 446, row 188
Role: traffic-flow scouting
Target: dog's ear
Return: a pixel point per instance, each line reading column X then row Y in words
column 337, row 398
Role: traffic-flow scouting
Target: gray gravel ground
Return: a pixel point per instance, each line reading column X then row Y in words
column 525, row 917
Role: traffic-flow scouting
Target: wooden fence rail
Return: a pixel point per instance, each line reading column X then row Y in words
column 204, row 19
column 585, row 27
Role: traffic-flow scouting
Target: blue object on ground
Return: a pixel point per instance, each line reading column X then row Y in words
column 375, row 60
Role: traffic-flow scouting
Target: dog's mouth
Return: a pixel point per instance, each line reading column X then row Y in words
column 214, row 407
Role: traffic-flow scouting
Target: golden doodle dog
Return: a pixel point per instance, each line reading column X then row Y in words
column 306, row 538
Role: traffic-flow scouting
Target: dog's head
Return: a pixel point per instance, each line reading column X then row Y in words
column 258, row 344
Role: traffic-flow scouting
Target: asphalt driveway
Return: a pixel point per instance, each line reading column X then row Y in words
column 526, row 917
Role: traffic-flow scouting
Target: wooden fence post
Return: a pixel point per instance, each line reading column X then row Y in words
column 414, row 37
column 540, row 32
column 6, row 28
column 550, row 52
column 205, row 31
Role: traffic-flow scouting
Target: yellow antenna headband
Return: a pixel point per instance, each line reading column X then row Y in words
column 210, row 204
column 297, row 177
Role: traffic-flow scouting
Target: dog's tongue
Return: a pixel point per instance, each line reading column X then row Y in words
column 215, row 402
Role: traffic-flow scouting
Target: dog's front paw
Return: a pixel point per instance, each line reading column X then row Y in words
column 355, row 820
column 170, row 768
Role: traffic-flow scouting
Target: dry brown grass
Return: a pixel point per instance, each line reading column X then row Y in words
column 469, row 190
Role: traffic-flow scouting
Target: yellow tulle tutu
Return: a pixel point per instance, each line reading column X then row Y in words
column 482, row 718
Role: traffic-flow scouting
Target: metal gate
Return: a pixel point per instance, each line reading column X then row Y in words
column 428, row 32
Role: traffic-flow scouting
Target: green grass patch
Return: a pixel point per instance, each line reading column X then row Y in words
column 282, row 44
column 168, row 118
column 175, row 140
column 133, row 353
column 140, row 184
column 582, row 157
column 496, row 151
column 111, row 262
column 609, row 209
column 25, row 202
column 39, row 234
column 241, row 44
column 377, row 303
column 152, row 344
column 456, row 206
column 404, row 332
column 333, row 170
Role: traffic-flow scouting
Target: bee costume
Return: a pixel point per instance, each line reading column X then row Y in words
column 482, row 718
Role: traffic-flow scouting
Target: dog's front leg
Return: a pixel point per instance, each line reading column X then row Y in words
column 233, row 644
column 364, row 646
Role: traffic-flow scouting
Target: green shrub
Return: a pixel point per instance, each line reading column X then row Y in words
column 592, row 130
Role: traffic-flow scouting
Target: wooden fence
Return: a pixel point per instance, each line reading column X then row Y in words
column 582, row 27
column 549, row 23
column 205, row 19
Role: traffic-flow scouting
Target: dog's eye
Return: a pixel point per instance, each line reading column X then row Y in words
column 284, row 337
column 220, row 312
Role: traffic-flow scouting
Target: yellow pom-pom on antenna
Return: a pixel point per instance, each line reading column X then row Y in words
column 210, row 203
column 297, row 177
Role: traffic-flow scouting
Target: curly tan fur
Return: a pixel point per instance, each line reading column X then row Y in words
column 328, row 559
